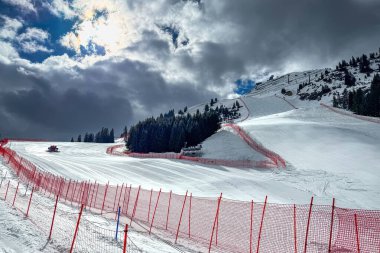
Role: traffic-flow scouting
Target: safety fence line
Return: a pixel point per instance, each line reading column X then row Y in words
column 66, row 228
column 276, row 158
column 215, row 224
column 342, row 112
column 113, row 150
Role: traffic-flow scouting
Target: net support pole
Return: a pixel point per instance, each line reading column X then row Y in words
column 180, row 218
column 67, row 191
column 251, row 229
column 52, row 221
column 14, row 198
column 6, row 192
column 92, row 194
column 357, row 233
column 295, row 227
column 104, row 198
column 114, row 201
column 261, row 224
column 308, row 224
column 191, row 197
column 125, row 238
column 117, row 223
column 96, row 196
column 135, row 206
column 213, row 226
column 30, row 201
column 129, row 196
column 154, row 212
column 76, row 229
column 125, row 195
column 331, row 223
column 118, row 202
column 167, row 213
column 150, row 203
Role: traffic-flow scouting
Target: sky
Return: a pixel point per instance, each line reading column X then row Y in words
column 75, row 66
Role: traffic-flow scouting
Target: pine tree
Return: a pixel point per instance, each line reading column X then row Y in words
column 112, row 137
column 374, row 97
column 125, row 131
column 349, row 79
column 364, row 64
column 79, row 138
column 72, row 139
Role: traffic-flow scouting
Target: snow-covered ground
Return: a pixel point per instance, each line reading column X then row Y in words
column 19, row 234
column 86, row 161
column 329, row 155
column 226, row 145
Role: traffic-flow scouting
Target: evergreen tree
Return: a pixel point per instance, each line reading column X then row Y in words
column 72, row 139
column 364, row 64
column 79, row 138
column 112, row 136
column 237, row 104
column 349, row 79
column 185, row 109
column 125, row 131
column 91, row 137
column 374, row 97
column 335, row 102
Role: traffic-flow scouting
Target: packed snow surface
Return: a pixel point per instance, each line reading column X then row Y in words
column 328, row 155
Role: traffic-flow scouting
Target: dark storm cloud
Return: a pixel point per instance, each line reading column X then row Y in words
column 104, row 95
column 272, row 33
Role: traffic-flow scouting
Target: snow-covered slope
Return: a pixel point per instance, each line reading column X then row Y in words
column 328, row 154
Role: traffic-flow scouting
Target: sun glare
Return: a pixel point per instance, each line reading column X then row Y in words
column 100, row 26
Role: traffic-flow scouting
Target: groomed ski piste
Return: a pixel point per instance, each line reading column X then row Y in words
column 328, row 155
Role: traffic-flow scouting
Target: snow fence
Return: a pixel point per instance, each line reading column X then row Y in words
column 275, row 160
column 114, row 150
column 211, row 224
column 68, row 228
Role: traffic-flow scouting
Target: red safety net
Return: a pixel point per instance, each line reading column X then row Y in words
column 216, row 224
column 114, row 150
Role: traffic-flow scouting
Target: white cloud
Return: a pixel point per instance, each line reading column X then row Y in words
column 33, row 40
column 33, row 33
column 7, row 52
column 60, row 8
column 33, row 46
column 9, row 28
column 25, row 5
